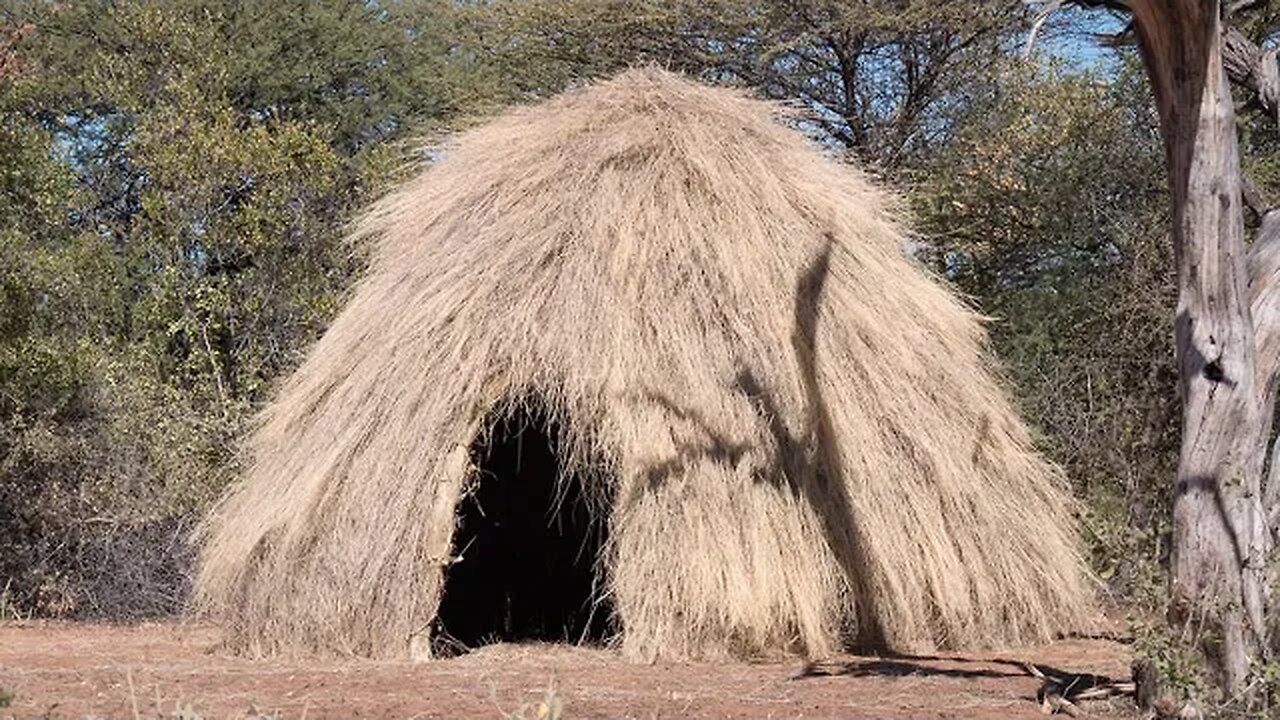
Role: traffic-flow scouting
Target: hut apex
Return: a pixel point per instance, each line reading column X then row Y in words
column 638, row 365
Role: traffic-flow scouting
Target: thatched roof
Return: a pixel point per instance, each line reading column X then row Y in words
column 793, row 429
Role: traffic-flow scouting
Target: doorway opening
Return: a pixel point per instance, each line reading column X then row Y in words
column 530, row 546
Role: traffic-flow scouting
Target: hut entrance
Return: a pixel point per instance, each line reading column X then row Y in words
column 529, row 543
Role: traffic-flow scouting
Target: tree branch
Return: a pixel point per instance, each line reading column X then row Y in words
column 1231, row 7
column 1255, row 69
column 1251, row 67
column 1247, row 65
column 1264, row 300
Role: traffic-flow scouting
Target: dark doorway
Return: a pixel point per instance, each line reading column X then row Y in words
column 529, row 543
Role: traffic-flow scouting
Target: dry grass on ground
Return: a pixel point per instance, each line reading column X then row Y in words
column 73, row 671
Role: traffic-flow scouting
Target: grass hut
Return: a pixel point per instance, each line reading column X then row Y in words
column 638, row 364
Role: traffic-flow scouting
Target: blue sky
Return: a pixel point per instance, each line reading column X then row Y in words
column 1071, row 35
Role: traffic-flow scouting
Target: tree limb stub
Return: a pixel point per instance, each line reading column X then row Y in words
column 1253, row 198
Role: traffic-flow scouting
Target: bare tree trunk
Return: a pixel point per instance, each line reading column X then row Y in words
column 1220, row 535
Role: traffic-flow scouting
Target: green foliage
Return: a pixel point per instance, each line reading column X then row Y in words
column 1049, row 207
column 1177, row 664
column 1177, row 667
column 365, row 71
column 177, row 176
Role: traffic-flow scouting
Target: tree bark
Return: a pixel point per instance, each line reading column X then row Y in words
column 1220, row 535
column 1264, row 286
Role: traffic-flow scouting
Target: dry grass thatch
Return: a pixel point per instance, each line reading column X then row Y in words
column 793, row 426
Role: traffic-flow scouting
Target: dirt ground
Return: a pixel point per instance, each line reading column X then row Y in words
column 74, row 671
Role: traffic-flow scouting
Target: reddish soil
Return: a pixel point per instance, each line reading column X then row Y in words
column 76, row 670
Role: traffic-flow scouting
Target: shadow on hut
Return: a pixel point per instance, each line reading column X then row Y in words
column 531, row 544
column 806, row 462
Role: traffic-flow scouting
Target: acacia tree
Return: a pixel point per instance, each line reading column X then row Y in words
column 881, row 79
column 1227, row 327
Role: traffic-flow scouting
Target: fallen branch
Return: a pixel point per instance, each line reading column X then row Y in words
column 1059, row 693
